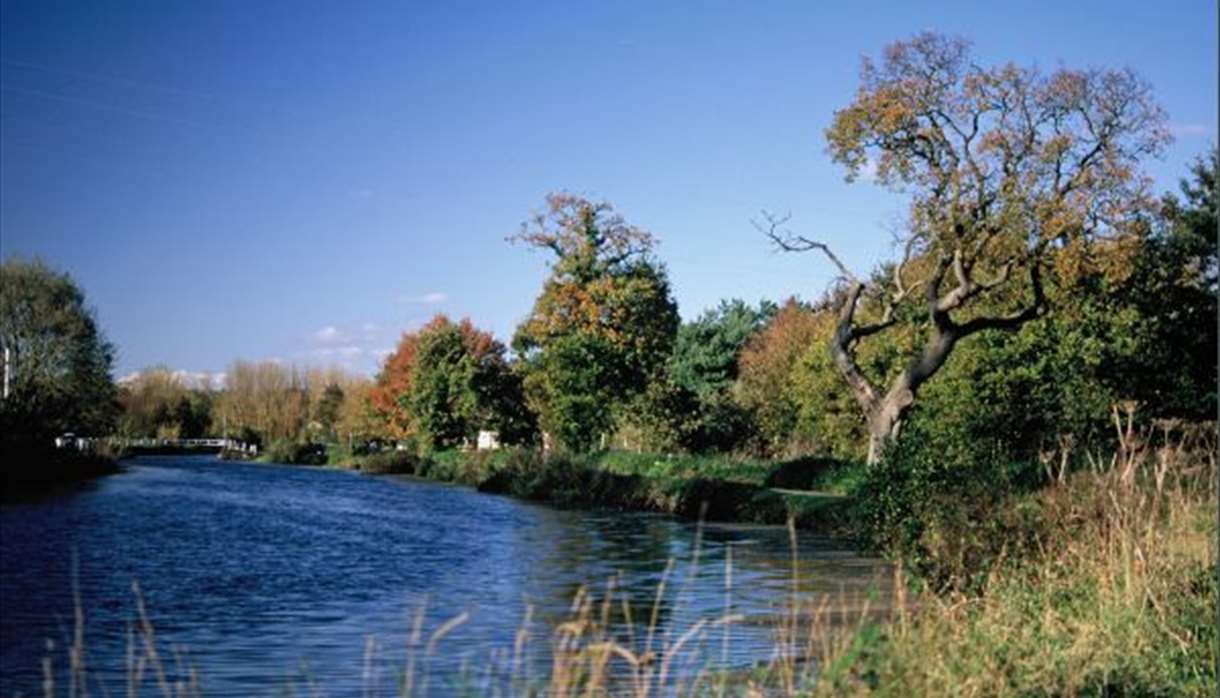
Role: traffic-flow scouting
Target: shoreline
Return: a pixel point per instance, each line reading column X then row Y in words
column 629, row 482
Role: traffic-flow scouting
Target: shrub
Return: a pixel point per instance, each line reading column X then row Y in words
column 930, row 502
column 389, row 462
column 293, row 453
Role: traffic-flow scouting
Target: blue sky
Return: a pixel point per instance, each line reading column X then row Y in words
column 303, row 181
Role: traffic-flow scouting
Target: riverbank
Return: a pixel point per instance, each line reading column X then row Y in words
column 812, row 492
column 29, row 468
column 1099, row 584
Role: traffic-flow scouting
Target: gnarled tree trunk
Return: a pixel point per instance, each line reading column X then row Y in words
column 886, row 413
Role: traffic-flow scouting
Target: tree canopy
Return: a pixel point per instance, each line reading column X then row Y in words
column 60, row 362
column 606, row 298
column 447, row 381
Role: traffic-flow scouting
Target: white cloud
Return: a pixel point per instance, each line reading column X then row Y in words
column 347, row 351
column 330, row 335
column 430, row 298
column 354, row 346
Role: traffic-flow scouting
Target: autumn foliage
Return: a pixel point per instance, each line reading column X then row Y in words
column 445, row 382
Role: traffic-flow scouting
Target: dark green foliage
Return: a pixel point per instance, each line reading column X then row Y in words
column 293, row 453
column 664, row 417
column 578, row 379
column 194, row 415
column 1172, row 290
column 443, row 397
column 250, row 437
column 328, row 408
column 934, row 483
column 707, row 349
column 502, row 404
column 60, row 360
column 460, row 383
column 389, row 462
column 703, row 370
column 602, row 329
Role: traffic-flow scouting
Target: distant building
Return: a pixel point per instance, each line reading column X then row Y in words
column 488, row 440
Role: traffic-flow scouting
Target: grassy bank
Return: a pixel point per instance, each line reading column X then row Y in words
column 1105, row 585
column 810, row 491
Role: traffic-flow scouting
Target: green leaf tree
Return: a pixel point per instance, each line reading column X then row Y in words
column 606, row 300
column 459, row 383
column 59, row 361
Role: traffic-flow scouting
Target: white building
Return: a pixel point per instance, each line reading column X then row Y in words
column 488, row 440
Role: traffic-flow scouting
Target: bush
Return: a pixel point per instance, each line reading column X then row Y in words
column 293, row 453
column 471, row 468
column 1103, row 583
column 931, row 502
column 389, row 463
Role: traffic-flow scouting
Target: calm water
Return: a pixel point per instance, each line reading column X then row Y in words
column 271, row 576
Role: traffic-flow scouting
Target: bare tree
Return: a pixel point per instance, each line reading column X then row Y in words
column 1004, row 167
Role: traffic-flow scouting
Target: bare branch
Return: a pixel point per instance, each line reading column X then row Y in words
column 901, row 291
column 788, row 241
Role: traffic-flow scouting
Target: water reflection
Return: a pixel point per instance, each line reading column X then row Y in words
column 268, row 573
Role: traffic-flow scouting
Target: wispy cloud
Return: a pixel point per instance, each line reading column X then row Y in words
column 347, row 351
column 1191, row 130
column 330, row 335
column 430, row 298
column 355, row 346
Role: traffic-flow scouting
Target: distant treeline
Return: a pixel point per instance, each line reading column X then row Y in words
column 259, row 402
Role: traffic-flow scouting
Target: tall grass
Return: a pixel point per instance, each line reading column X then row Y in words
column 1108, row 587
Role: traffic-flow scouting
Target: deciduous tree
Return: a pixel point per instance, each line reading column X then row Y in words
column 605, row 298
column 59, row 361
column 1004, row 166
column 452, row 380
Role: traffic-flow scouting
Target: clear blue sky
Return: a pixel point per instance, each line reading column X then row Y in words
column 304, row 181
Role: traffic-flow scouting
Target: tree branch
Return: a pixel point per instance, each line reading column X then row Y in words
column 846, row 333
column 788, row 241
column 1012, row 320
